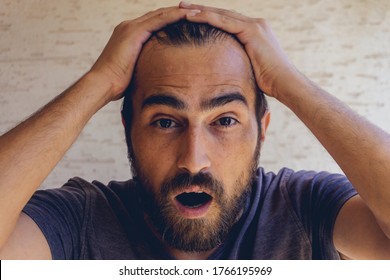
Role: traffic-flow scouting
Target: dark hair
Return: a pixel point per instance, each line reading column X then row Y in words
column 187, row 33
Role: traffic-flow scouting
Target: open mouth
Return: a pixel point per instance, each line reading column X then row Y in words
column 193, row 199
column 193, row 204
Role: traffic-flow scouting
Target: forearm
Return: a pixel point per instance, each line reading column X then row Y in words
column 361, row 149
column 31, row 150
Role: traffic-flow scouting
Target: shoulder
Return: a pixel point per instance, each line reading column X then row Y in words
column 78, row 190
column 271, row 179
column 75, row 202
column 306, row 204
column 303, row 180
column 305, row 188
column 72, row 216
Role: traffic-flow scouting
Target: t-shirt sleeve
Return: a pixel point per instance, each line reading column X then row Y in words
column 317, row 199
column 59, row 213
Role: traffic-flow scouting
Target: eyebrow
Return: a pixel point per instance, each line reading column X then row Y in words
column 171, row 101
column 223, row 100
column 163, row 99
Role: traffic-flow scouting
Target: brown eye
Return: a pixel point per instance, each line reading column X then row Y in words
column 165, row 123
column 226, row 122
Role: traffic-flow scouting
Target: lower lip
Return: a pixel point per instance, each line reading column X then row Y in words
column 192, row 213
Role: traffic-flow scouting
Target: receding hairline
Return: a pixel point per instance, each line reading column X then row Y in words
column 184, row 32
column 162, row 38
column 159, row 40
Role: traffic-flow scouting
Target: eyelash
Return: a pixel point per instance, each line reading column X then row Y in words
column 233, row 122
column 158, row 123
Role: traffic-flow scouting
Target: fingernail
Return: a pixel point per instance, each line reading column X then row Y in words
column 185, row 4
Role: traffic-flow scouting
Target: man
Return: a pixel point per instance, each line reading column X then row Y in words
column 195, row 119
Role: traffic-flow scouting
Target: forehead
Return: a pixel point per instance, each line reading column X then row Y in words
column 194, row 73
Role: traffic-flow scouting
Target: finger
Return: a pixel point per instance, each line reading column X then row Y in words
column 152, row 21
column 161, row 17
column 233, row 14
column 153, row 13
column 221, row 21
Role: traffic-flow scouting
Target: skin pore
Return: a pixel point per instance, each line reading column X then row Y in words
column 194, row 114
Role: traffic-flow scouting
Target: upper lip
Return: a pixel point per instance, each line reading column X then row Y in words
column 190, row 189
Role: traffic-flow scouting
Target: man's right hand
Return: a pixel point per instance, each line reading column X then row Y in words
column 117, row 61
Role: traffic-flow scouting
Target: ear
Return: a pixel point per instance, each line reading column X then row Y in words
column 264, row 124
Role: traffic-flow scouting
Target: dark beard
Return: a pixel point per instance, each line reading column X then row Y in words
column 193, row 235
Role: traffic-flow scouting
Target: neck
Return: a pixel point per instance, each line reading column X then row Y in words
column 181, row 255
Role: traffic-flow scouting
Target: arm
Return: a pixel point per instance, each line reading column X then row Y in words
column 363, row 152
column 31, row 150
column 361, row 149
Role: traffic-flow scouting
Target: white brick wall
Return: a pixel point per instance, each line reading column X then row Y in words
column 46, row 45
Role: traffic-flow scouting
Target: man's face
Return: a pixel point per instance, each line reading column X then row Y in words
column 194, row 139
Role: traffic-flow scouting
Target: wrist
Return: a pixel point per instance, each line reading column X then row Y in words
column 97, row 90
column 290, row 86
column 110, row 84
column 103, row 87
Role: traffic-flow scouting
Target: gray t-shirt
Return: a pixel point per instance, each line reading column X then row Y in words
column 290, row 215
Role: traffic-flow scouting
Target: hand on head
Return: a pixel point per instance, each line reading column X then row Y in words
column 116, row 63
column 270, row 64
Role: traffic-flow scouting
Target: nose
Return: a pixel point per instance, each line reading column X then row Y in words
column 193, row 155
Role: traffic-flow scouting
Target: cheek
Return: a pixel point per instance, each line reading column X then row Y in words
column 235, row 157
column 154, row 158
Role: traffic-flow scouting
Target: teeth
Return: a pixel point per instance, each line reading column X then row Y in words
column 194, row 192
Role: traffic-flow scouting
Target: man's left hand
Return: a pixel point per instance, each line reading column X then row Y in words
column 270, row 64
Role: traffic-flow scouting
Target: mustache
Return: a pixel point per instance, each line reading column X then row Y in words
column 184, row 180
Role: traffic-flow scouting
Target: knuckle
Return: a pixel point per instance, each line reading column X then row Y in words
column 261, row 22
column 119, row 27
column 162, row 12
column 224, row 19
column 123, row 27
